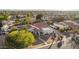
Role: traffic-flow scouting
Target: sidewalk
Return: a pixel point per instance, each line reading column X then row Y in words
column 39, row 46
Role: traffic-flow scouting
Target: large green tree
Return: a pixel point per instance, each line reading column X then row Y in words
column 19, row 39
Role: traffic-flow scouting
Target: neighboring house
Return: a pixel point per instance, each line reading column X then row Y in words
column 66, row 26
column 61, row 25
column 41, row 28
column 73, row 22
column 32, row 20
column 11, row 22
column 5, row 28
column 48, row 19
column 4, row 22
column 45, row 18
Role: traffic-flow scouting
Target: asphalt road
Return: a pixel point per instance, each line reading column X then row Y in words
column 66, row 45
column 2, row 41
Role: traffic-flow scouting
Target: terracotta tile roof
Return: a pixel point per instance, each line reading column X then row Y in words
column 40, row 25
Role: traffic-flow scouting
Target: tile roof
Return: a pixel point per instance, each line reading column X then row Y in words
column 39, row 25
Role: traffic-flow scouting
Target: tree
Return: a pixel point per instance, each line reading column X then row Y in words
column 0, row 23
column 76, row 17
column 59, row 19
column 28, row 18
column 19, row 39
column 3, row 17
column 39, row 17
column 17, row 21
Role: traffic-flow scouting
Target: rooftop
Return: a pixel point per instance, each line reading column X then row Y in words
column 39, row 26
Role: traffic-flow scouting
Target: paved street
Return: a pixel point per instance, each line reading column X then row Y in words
column 66, row 45
column 2, row 41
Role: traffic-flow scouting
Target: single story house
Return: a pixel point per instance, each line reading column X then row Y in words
column 61, row 25
column 41, row 28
